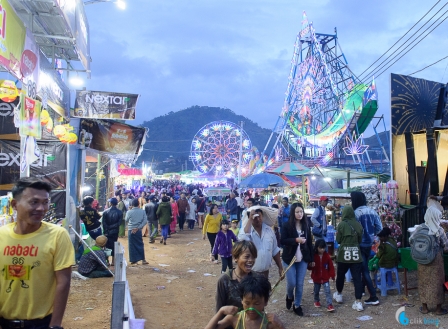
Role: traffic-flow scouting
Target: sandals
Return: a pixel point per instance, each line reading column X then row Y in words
column 420, row 309
column 144, row 262
column 443, row 312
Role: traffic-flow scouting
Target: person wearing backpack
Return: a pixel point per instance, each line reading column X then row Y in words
column 428, row 240
column 371, row 225
column 349, row 236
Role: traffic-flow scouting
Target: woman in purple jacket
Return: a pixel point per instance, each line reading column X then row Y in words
column 223, row 245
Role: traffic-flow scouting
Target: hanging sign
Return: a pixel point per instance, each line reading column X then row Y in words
column 51, row 165
column 30, row 117
column 113, row 137
column 12, row 38
column 29, row 65
column 51, row 89
column 105, row 105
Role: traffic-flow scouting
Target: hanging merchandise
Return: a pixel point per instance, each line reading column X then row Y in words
column 30, row 153
column 8, row 91
column 6, row 211
column 30, row 117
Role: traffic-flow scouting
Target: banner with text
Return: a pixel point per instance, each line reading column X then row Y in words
column 51, row 89
column 117, row 140
column 105, row 105
column 12, row 38
column 50, row 167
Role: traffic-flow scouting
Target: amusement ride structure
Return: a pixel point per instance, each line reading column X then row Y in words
column 221, row 148
column 326, row 109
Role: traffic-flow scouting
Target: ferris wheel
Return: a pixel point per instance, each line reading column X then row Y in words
column 325, row 103
column 216, row 148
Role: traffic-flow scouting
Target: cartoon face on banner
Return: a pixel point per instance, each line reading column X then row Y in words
column 8, row 91
column 119, row 137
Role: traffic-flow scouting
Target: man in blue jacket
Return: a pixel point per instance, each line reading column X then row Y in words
column 232, row 207
column 371, row 224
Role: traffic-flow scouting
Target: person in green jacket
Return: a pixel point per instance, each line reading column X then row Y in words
column 349, row 236
column 121, row 206
column 165, row 217
column 387, row 253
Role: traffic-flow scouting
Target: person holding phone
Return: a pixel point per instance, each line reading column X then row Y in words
column 297, row 241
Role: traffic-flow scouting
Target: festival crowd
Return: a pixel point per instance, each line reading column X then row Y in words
column 246, row 236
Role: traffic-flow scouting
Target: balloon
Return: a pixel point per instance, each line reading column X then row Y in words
column 44, row 117
column 59, row 131
column 49, row 125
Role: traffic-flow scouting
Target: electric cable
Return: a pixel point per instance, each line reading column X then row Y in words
column 387, row 60
column 430, row 66
column 444, row 72
column 412, row 47
column 179, row 140
column 166, row 151
column 400, row 38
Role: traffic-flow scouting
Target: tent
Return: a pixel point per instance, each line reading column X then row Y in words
column 263, row 180
column 291, row 169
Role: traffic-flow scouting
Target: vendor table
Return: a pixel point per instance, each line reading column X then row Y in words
column 408, row 264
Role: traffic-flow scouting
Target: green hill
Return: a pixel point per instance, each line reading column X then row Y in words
column 169, row 139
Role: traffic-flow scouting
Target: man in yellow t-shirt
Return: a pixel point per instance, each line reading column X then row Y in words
column 36, row 258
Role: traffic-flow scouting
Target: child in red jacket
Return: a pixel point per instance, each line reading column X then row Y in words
column 321, row 273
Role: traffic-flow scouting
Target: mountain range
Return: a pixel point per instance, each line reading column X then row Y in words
column 170, row 136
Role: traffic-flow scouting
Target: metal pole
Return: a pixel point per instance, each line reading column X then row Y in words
column 98, row 169
column 26, row 172
column 99, row 259
column 241, row 152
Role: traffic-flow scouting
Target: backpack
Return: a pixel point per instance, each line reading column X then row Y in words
column 424, row 247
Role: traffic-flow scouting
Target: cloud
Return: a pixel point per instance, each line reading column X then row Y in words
column 237, row 54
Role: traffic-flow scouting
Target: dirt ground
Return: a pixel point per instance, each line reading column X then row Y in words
column 167, row 295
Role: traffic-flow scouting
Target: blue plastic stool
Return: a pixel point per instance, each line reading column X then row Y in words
column 381, row 280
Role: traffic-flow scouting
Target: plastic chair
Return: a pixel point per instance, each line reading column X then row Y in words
column 382, row 281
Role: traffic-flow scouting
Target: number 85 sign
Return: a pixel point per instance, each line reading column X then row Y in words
column 351, row 253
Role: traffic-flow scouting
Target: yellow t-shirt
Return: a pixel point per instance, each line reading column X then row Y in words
column 212, row 224
column 28, row 263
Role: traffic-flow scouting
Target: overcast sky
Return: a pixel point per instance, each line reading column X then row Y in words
column 237, row 54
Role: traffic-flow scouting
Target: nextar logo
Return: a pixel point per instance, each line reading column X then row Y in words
column 12, row 159
column 6, row 109
column 111, row 100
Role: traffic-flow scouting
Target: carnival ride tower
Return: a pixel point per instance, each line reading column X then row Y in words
column 325, row 106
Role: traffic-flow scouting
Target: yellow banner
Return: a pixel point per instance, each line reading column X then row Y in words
column 12, row 38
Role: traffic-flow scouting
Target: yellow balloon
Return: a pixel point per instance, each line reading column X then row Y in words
column 49, row 125
column 44, row 117
column 59, row 131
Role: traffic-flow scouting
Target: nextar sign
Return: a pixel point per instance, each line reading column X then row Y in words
column 103, row 99
column 13, row 159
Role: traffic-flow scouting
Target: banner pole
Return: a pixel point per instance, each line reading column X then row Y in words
column 98, row 169
column 85, row 243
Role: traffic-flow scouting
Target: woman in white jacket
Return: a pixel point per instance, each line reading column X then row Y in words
column 191, row 216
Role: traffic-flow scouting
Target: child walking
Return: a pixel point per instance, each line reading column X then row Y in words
column 254, row 291
column 321, row 273
column 234, row 227
column 223, row 245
